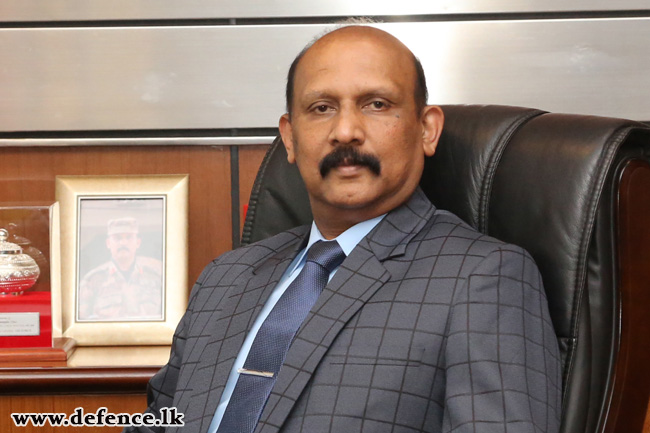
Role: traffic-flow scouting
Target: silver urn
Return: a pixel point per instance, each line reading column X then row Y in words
column 18, row 271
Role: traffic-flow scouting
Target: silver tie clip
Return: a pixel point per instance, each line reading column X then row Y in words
column 255, row 372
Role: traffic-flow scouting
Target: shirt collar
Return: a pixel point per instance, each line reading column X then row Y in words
column 347, row 240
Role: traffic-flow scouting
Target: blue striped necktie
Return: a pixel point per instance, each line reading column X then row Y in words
column 274, row 337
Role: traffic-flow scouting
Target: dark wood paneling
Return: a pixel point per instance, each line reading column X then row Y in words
column 121, row 403
column 27, row 174
column 632, row 375
column 75, row 379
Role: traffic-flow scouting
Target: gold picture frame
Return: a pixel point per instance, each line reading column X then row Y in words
column 123, row 258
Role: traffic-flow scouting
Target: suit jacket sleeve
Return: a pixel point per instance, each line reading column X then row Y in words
column 502, row 359
column 162, row 386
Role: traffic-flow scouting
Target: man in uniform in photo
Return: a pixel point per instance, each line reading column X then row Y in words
column 128, row 287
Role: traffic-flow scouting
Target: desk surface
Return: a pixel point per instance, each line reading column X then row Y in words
column 111, row 369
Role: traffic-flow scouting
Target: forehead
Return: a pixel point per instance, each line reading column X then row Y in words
column 354, row 56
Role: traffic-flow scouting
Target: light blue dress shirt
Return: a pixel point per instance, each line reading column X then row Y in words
column 347, row 241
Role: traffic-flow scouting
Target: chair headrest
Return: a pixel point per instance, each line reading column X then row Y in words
column 522, row 175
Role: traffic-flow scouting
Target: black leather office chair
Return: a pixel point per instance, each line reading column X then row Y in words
column 575, row 192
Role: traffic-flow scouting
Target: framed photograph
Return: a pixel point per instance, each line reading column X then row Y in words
column 123, row 258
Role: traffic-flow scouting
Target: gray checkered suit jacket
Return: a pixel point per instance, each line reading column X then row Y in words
column 428, row 326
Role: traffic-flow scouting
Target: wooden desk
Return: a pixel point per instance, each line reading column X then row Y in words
column 87, row 381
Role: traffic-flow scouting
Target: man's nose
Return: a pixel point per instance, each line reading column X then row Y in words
column 348, row 127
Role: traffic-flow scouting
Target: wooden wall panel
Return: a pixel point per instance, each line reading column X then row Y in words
column 27, row 174
column 631, row 393
column 115, row 403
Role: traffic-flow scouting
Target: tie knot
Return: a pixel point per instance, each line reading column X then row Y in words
column 328, row 254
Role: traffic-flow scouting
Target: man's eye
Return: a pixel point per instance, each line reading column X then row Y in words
column 321, row 108
column 378, row 105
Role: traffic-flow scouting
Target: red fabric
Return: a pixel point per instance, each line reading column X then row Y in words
column 29, row 302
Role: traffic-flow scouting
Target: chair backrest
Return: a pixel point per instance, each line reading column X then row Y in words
column 572, row 190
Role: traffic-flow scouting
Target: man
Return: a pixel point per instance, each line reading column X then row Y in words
column 128, row 287
column 425, row 325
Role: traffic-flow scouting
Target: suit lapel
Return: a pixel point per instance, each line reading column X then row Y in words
column 237, row 312
column 357, row 280
column 400, row 226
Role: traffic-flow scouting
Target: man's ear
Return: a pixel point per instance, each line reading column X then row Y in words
column 432, row 121
column 286, row 132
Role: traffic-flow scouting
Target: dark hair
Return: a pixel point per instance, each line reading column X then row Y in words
column 421, row 94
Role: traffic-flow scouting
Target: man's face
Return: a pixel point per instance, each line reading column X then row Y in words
column 355, row 131
column 123, row 247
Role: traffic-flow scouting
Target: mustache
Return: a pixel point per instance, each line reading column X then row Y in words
column 349, row 155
